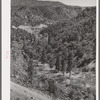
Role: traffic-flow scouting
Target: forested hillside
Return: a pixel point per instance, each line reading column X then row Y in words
column 76, row 37
column 66, row 46
column 41, row 12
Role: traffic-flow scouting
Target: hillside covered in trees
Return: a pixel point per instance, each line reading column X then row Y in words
column 34, row 12
column 58, row 59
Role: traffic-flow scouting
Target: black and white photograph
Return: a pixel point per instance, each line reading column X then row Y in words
column 53, row 50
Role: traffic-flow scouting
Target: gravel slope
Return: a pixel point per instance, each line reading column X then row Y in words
column 21, row 93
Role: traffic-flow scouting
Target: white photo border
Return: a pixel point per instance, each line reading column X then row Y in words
column 6, row 32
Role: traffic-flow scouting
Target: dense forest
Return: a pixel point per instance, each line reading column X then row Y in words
column 67, row 44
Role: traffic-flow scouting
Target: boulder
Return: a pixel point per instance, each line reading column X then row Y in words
column 68, row 82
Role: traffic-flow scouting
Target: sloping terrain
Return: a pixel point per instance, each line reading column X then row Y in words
column 19, row 92
column 41, row 12
column 53, row 49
